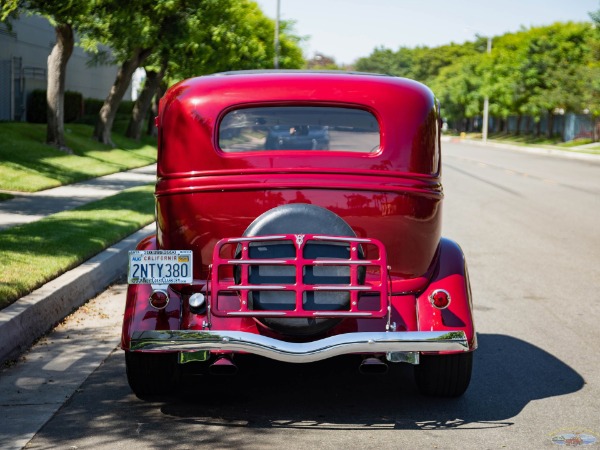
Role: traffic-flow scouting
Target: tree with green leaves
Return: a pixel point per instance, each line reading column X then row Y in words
column 66, row 16
column 131, row 30
column 217, row 36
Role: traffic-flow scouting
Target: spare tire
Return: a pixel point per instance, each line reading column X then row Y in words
column 299, row 218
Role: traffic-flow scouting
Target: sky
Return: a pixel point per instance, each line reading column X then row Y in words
column 350, row 29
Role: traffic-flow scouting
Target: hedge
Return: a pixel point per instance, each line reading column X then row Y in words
column 37, row 106
column 91, row 106
column 75, row 107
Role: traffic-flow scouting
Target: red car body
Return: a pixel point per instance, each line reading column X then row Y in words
column 404, row 289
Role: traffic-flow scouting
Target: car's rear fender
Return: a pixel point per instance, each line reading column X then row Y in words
column 450, row 275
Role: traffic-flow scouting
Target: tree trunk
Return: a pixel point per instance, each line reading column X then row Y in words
column 152, row 130
column 550, row 129
column 144, row 101
column 108, row 111
column 55, row 92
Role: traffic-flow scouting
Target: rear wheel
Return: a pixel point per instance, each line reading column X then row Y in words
column 151, row 374
column 444, row 375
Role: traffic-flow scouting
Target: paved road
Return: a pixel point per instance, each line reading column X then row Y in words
column 529, row 227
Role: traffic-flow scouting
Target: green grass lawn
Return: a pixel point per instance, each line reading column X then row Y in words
column 35, row 253
column 27, row 164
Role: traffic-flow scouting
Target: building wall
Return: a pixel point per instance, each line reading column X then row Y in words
column 23, row 66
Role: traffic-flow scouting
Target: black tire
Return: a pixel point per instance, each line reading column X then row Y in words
column 151, row 374
column 444, row 375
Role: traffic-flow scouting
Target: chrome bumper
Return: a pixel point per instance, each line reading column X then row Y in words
column 295, row 352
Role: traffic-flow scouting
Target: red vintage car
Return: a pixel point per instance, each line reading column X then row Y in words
column 298, row 218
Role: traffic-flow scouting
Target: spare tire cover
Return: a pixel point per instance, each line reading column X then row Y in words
column 299, row 218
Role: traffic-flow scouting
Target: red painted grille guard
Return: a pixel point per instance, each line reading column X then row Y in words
column 375, row 284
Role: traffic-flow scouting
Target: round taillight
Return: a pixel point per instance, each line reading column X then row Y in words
column 159, row 299
column 440, row 298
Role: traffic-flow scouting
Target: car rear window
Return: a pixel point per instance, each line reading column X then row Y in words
column 299, row 128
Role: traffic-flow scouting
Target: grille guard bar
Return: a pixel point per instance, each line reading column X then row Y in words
column 294, row 352
column 376, row 285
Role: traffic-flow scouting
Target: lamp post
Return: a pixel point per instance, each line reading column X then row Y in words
column 277, row 36
column 486, row 102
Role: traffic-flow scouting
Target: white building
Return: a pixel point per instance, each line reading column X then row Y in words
column 24, row 54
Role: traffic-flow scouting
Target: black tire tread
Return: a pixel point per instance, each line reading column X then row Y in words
column 150, row 374
column 444, row 375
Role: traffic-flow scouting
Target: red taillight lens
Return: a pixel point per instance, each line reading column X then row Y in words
column 159, row 299
column 439, row 298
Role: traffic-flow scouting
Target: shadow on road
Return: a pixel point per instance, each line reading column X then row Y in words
column 508, row 374
column 266, row 396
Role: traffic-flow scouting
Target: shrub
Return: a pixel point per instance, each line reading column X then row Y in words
column 37, row 107
column 91, row 106
column 73, row 106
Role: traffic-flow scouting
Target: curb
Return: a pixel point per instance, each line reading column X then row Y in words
column 534, row 150
column 30, row 317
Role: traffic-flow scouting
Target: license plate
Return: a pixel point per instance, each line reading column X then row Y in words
column 160, row 267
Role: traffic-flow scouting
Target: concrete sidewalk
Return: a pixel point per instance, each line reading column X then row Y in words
column 33, row 315
column 25, row 207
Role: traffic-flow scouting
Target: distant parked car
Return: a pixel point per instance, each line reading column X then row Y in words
column 298, row 219
column 298, row 137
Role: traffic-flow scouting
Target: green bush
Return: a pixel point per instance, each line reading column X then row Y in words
column 91, row 106
column 37, row 106
column 73, row 106
column 126, row 107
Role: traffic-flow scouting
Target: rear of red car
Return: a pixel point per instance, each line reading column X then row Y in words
column 304, row 210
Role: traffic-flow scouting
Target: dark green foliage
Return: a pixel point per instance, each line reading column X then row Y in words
column 73, row 106
column 37, row 106
column 91, row 106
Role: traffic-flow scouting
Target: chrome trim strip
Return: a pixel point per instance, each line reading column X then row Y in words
column 299, row 352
